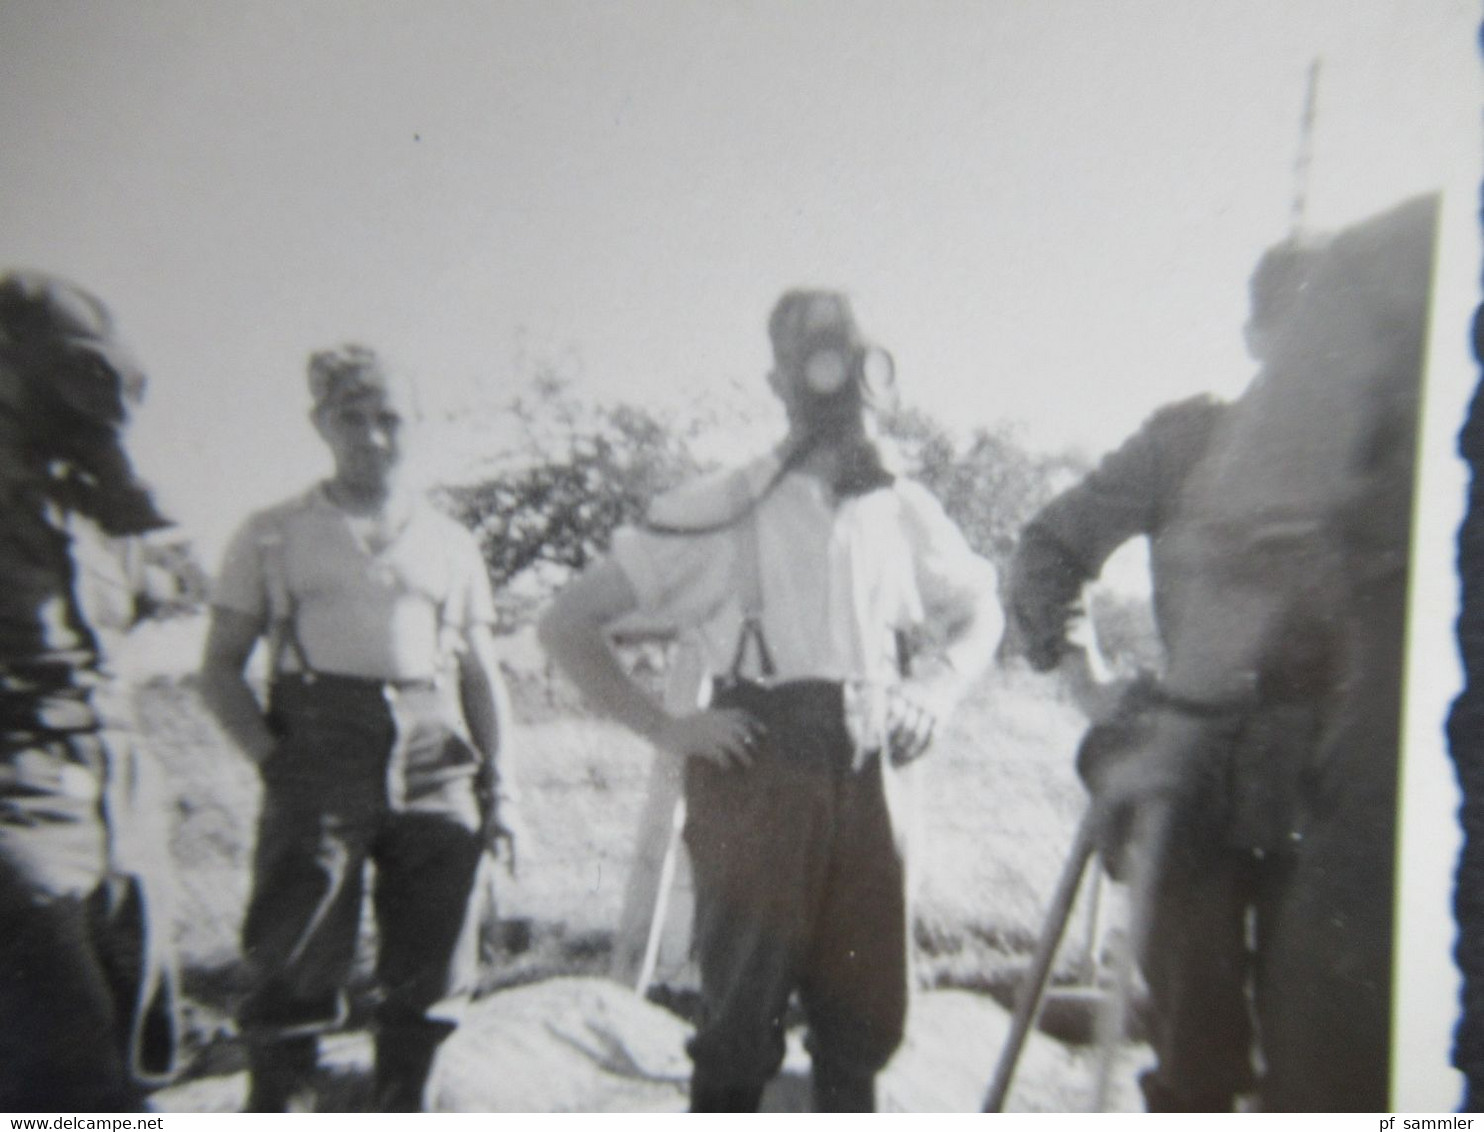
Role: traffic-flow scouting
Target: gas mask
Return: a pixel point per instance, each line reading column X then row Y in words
column 67, row 388
column 835, row 369
column 834, row 376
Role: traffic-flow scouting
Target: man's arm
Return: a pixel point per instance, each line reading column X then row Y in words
column 574, row 631
column 970, row 624
column 486, row 705
column 487, row 711
column 229, row 644
column 1064, row 547
column 963, row 624
column 1130, row 493
column 483, row 695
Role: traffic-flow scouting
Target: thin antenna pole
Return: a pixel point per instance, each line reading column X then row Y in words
column 1305, row 155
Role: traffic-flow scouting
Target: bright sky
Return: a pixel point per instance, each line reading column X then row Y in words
column 1047, row 210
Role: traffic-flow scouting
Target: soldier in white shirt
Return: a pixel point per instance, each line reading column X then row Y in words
column 379, row 742
column 800, row 576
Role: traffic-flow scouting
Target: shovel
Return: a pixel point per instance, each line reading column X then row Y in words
column 1033, row 989
column 1069, row 1011
column 661, row 901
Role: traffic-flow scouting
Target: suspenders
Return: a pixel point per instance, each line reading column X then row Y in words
column 283, row 607
column 749, row 587
column 747, row 574
column 283, row 631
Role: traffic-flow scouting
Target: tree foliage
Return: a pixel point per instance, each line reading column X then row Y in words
column 991, row 485
column 585, row 470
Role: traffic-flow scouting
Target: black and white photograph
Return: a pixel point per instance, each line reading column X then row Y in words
column 749, row 556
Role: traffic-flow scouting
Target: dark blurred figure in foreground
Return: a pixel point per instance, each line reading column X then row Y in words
column 85, row 981
column 1279, row 538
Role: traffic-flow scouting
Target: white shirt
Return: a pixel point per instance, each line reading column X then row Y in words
column 837, row 580
column 361, row 608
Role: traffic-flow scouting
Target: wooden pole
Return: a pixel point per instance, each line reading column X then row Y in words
column 1298, row 212
column 1033, row 989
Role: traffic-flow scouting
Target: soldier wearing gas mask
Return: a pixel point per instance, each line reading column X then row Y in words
column 798, row 576
column 86, row 1013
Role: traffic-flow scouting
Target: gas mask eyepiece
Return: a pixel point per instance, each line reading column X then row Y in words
column 834, row 363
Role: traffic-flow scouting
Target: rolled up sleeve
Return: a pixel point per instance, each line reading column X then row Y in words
column 471, row 589
column 680, row 581
column 240, row 585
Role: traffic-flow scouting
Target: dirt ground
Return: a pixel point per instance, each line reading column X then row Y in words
column 550, row 1031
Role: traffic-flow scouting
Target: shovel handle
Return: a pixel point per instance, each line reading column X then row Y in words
column 661, row 900
column 1033, row 989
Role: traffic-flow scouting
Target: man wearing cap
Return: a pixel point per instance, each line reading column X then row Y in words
column 799, row 576
column 379, row 742
column 84, row 980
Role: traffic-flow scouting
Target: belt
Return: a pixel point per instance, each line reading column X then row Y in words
column 368, row 683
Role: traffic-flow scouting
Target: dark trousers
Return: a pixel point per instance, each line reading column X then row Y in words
column 63, row 1027
column 359, row 777
column 1328, row 1048
column 799, row 886
column 1203, row 973
column 1308, row 981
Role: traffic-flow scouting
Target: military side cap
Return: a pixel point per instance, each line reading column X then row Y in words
column 352, row 370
